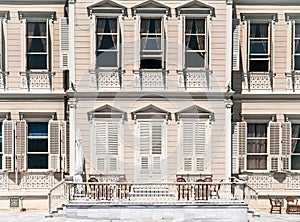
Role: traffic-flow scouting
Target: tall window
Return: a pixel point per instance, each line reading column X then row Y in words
column 1, row 149
column 296, row 46
column 259, row 47
column 37, row 145
column 107, row 42
column 195, row 43
column 295, row 151
column 151, row 43
column 257, row 146
column 37, row 45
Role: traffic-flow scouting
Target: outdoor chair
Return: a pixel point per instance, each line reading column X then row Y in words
column 92, row 191
column 276, row 204
column 292, row 204
column 183, row 189
column 123, row 190
column 214, row 190
column 199, row 189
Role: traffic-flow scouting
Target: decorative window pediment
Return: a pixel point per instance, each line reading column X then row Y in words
column 195, row 7
column 106, row 6
column 151, row 6
column 259, row 17
column 194, row 111
column 292, row 16
column 37, row 15
column 259, row 118
column 151, row 111
column 106, row 111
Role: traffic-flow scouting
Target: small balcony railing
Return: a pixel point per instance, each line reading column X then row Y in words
column 259, row 81
column 150, row 79
column 195, row 79
column 106, row 78
column 293, row 81
column 3, row 80
column 40, row 81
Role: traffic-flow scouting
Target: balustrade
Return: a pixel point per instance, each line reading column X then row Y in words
column 3, row 81
column 293, row 81
column 106, row 78
column 258, row 81
column 195, row 79
column 150, row 79
column 31, row 81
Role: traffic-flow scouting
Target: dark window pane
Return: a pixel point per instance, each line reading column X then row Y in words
column 0, row 145
column 107, row 59
column 257, row 130
column 37, row 129
column 195, row 42
column 150, row 64
column 296, row 146
column 259, row 30
column 297, row 30
column 258, row 47
column 256, row 146
column 295, row 131
column 194, row 59
column 106, row 25
column 150, row 26
column 36, row 61
column 259, row 65
column 36, row 45
column 36, row 29
column 256, row 162
column 106, row 41
column 37, row 145
column 295, row 162
column 1, row 161
column 195, row 26
column 297, row 62
column 151, row 43
column 0, row 129
column 37, row 161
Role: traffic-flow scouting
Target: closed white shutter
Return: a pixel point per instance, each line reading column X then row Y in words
column 286, row 134
column 235, row 149
column 242, row 144
column 8, row 145
column 112, row 147
column 156, row 151
column 54, row 145
column 100, row 146
column 274, row 141
column 21, row 145
column 194, row 146
column 63, row 146
column 144, row 151
column 2, row 34
column 64, row 43
column 235, row 44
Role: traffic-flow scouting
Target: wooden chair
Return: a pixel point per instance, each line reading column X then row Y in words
column 183, row 189
column 276, row 204
column 214, row 190
column 123, row 190
column 92, row 188
column 199, row 189
column 292, row 204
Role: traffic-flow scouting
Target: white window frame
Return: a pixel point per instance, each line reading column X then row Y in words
column 111, row 34
column 162, row 41
column 293, row 122
column 2, row 147
column 294, row 38
column 93, row 151
column 207, row 50
column 270, row 49
column 206, row 155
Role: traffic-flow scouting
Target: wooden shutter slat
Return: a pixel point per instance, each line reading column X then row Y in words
column 235, row 150
column 242, row 144
column 286, row 134
column 100, row 145
column 236, row 44
column 21, row 145
column 8, row 145
column 54, row 145
column 64, row 43
column 274, row 141
column 64, row 146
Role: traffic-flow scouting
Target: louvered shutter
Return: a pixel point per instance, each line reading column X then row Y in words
column 144, row 151
column 235, row 150
column 274, row 141
column 286, row 134
column 112, row 146
column 200, row 146
column 64, row 43
column 2, row 34
column 21, row 145
column 242, row 144
column 54, row 145
column 63, row 146
column 156, row 153
column 100, row 145
column 236, row 44
column 187, row 145
column 8, row 145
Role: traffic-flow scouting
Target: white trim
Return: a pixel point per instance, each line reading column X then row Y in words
column 137, row 24
column 181, row 29
column 289, row 48
column 93, row 41
column 23, row 44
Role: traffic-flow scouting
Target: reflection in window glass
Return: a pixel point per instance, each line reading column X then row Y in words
column 295, row 149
